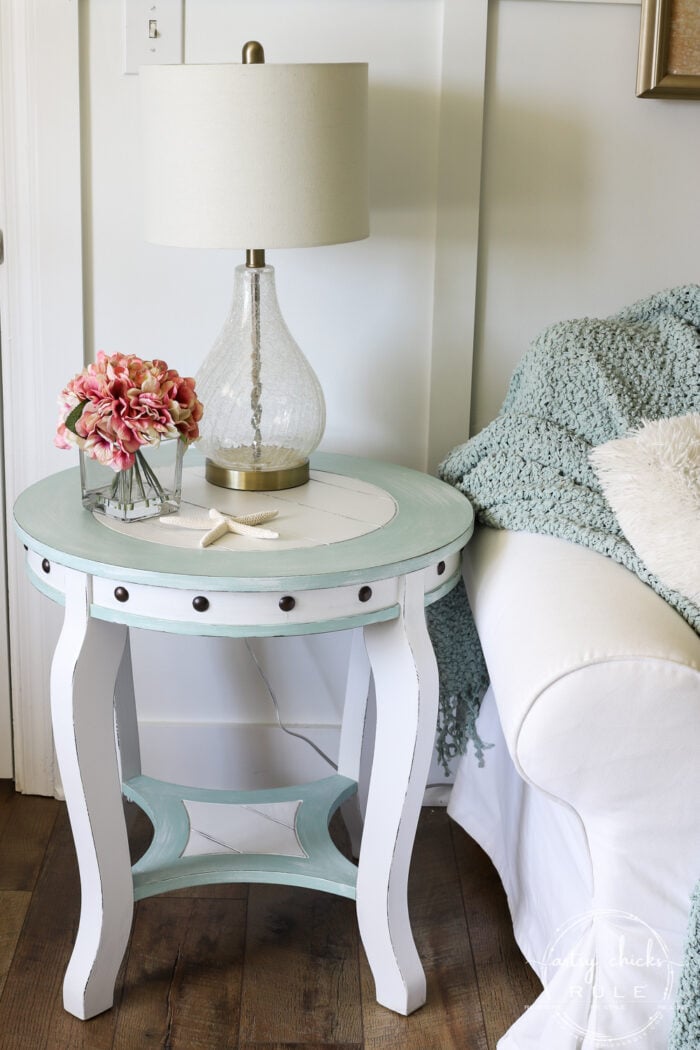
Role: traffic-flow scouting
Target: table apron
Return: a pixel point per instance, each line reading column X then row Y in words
column 243, row 613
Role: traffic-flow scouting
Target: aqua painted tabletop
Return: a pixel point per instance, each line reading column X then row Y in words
column 428, row 517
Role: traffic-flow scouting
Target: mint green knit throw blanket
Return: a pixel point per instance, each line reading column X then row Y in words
column 580, row 384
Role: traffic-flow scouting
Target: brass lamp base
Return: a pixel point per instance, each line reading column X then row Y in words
column 257, row 480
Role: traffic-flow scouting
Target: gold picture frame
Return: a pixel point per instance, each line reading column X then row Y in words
column 669, row 49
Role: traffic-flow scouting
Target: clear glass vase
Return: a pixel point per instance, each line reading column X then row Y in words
column 264, row 411
column 153, row 486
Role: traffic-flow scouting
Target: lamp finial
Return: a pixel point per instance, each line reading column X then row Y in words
column 253, row 53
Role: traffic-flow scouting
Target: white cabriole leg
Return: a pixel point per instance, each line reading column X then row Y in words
column 125, row 721
column 406, row 684
column 83, row 674
column 352, row 732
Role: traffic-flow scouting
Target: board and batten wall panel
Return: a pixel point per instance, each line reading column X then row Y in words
column 362, row 313
column 363, row 319
column 589, row 194
column 587, row 202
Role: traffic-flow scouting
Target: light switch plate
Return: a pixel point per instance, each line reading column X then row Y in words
column 153, row 33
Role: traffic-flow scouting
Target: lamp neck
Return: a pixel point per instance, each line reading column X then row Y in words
column 253, row 54
column 255, row 258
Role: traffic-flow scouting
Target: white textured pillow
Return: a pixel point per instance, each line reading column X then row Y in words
column 651, row 479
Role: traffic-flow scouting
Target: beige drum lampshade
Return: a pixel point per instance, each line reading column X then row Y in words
column 255, row 155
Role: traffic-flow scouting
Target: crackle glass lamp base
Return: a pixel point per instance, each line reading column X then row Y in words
column 264, row 411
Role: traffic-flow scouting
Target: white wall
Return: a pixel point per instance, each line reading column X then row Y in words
column 589, row 195
column 588, row 201
column 362, row 313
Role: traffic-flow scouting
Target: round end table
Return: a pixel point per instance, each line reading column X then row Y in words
column 363, row 546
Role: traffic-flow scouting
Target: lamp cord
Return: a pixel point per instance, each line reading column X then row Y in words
column 283, row 727
column 300, row 736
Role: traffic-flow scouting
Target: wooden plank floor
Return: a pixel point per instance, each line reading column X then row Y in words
column 253, row 968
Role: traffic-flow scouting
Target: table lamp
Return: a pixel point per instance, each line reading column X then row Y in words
column 253, row 156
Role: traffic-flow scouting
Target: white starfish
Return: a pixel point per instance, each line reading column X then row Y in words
column 218, row 525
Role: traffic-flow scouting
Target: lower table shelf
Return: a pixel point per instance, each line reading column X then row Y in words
column 205, row 836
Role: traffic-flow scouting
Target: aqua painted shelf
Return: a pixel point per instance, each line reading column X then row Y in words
column 172, row 862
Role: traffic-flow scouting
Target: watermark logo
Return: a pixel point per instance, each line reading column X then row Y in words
column 609, row 977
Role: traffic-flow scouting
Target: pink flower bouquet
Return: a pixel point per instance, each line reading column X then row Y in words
column 114, row 407
column 116, row 410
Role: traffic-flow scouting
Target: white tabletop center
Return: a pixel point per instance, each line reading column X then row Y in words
column 330, row 508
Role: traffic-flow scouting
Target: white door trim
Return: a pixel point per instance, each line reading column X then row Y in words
column 43, row 320
column 6, row 760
